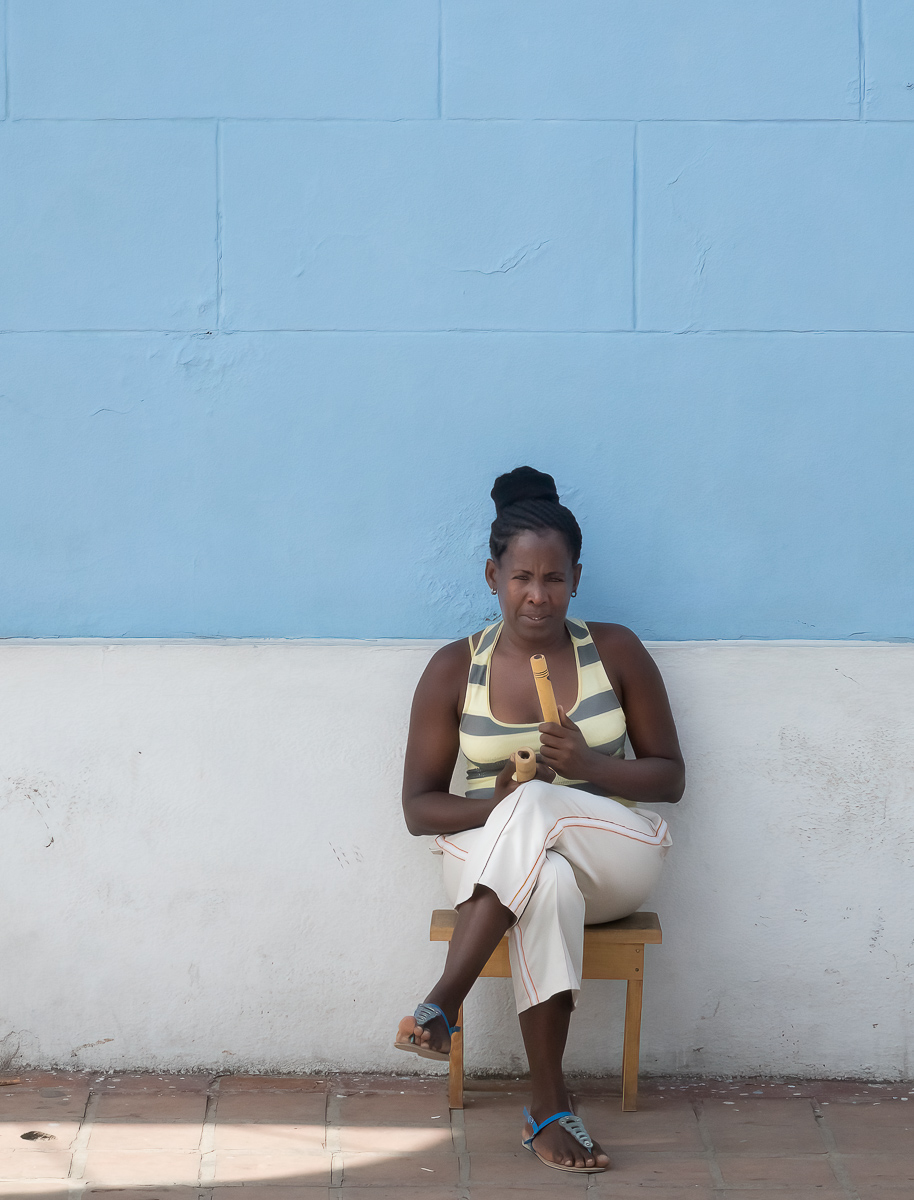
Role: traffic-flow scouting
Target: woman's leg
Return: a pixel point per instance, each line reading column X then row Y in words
column 545, row 1030
column 481, row 924
column 544, row 855
column 546, row 948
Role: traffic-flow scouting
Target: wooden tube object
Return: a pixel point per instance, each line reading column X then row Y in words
column 524, row 765
column 544, row 689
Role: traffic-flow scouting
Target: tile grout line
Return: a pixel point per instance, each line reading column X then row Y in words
column 6, row 60
column 835, row 1159
column 207, row 1170
column 635, row 231
column 710, row 1154
column 206, row 118
column 76, row 1182
column 462, row 331
column 459, row 1142
column 333, row 1143
column 218, row 225
column 440, row 54
column 861, row 64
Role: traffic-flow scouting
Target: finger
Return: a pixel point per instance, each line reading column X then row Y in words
column 552, row 742
column 565, row 719
column 550, row 727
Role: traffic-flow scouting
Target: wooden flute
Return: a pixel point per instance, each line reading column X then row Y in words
column 525, row 759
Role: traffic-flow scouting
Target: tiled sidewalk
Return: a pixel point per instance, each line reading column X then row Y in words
column 267, row 1138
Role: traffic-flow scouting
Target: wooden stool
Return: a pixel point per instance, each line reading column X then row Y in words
column 611, row 951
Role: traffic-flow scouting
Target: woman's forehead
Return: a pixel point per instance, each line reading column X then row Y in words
column 538, row 547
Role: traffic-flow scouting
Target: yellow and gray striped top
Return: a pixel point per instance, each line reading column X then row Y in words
column 487, row 743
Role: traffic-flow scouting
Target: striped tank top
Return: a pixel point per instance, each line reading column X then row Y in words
column 487, row 743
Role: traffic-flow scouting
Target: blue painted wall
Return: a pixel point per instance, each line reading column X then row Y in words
column 286, row 283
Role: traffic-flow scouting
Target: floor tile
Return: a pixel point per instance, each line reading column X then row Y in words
column 34, row 1163
column 498, row 1191
column 658, row 1170
column 19, row 1188
column 605, row 1186
column 871, row 1128
column 396, row 1139
column 432, row 1192
column 58, row 1135
column 520, row 1169
column 382, row 1108
column 153, row 1106
column 776, row 1192
column 649, row 1129
column 59, row 1104
column 116, row 1136
column 134, row 1167
column 364, row 1170
column 493, row 1137
column 893, row 1172
column 148, row 1193
column 747, row 1170
column 233, row 1167
column 272, row 1083
column 496, row 1110
column 759, row 1127
column 257, row 1191
column 299, row 1108
column 270, row 1139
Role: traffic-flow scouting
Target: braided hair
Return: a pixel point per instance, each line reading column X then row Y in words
column 526, row 499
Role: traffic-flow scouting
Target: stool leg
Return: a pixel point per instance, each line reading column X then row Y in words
column 455, row 1067
column 631, row 1044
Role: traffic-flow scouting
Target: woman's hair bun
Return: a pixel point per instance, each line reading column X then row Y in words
column 523, row 483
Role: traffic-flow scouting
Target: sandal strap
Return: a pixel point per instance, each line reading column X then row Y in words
column 575, row 1127
column 561, row 1117
column 427, row 1012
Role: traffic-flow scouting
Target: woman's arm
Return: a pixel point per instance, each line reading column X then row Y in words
column 432, row 748
column 657, row 773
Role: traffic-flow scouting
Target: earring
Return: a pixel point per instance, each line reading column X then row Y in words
column 575, row 592
column 494, row 593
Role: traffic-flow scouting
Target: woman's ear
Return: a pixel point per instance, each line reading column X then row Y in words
column 490, row 575
column 577, row 577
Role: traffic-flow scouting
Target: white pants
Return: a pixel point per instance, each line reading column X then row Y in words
column 558, row 859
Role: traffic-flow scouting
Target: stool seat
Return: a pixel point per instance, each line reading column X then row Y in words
column 611, row 951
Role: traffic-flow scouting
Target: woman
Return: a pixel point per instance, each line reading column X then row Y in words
column 539, row 859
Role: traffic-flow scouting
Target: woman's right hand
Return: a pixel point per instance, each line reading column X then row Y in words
column 505, row 784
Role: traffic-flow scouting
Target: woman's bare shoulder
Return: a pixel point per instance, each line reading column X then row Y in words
column 443, row 683
column 447, row 666
column 453, row 656
column 618, row 638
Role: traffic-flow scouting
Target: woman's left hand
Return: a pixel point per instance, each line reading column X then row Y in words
column 564, row 749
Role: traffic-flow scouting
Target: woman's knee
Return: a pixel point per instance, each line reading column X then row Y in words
column 536, row 795
column 557, row 887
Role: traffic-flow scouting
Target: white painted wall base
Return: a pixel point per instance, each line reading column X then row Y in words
column 200, row 868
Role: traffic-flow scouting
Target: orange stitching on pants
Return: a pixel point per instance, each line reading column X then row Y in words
column 586, row 823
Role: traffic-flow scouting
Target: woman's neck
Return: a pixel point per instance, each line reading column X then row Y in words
column 515, row 642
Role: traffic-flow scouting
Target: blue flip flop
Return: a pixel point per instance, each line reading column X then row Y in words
column 423, row 1014
column 575, row 1126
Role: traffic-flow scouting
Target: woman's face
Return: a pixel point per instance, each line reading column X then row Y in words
column 534, row 580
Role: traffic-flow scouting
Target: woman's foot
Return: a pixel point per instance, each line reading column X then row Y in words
column 556, row 1145
column 432, row 1036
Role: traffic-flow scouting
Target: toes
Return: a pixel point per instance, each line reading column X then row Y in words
column 406, row 1029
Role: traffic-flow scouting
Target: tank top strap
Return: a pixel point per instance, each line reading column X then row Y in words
column 477, row 697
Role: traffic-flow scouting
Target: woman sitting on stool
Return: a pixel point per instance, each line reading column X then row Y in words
column 538, row 860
